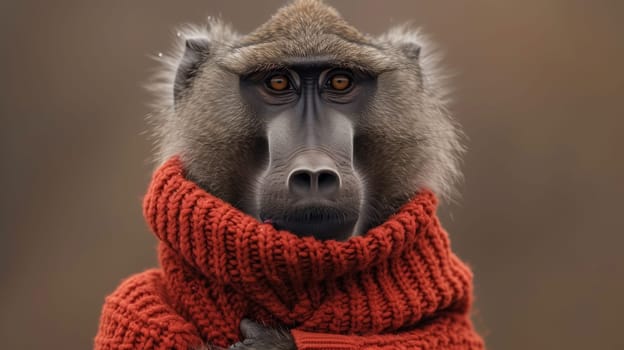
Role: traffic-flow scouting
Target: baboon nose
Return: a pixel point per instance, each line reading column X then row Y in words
column 305, row 182
column 314, row 175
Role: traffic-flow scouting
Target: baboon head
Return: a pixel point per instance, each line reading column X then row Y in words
column 307, row 123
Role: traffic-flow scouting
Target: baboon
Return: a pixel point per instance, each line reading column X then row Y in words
column 307, row 124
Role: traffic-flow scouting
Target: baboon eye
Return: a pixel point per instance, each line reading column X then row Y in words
column 278, row 82
column 339, row 82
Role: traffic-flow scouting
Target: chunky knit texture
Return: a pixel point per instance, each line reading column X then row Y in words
column 399, row 286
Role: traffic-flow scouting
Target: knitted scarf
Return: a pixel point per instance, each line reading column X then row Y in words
column 399, row 286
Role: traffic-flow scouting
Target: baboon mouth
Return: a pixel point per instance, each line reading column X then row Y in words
column 326, row 225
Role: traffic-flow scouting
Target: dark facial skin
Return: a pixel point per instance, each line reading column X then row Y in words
column 310, row 185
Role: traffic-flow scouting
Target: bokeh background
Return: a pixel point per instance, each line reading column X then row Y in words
column 539, row 89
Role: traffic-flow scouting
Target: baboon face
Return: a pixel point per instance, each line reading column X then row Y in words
column 309, row 184
column 308, row 124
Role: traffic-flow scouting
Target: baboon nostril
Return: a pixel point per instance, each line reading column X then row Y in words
column 300, row 182
column 328, row 182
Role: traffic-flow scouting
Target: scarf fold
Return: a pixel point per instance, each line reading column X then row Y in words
column 397, row 286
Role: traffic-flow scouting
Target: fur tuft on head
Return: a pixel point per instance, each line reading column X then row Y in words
column 162, row 119
column 443, row 138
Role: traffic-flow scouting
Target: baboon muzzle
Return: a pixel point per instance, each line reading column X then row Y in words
column 311, row 165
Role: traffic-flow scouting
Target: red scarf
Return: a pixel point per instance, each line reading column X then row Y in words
column 399, row 286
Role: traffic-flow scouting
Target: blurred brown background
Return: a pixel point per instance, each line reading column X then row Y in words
column 539, row 89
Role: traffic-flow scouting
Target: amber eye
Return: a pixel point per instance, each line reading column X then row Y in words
column 340, row 82
column 278, row 83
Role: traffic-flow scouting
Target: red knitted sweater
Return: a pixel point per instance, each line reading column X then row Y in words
column 399, row 286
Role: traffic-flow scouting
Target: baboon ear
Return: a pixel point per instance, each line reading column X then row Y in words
column 196, row 52
column 410, row 49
